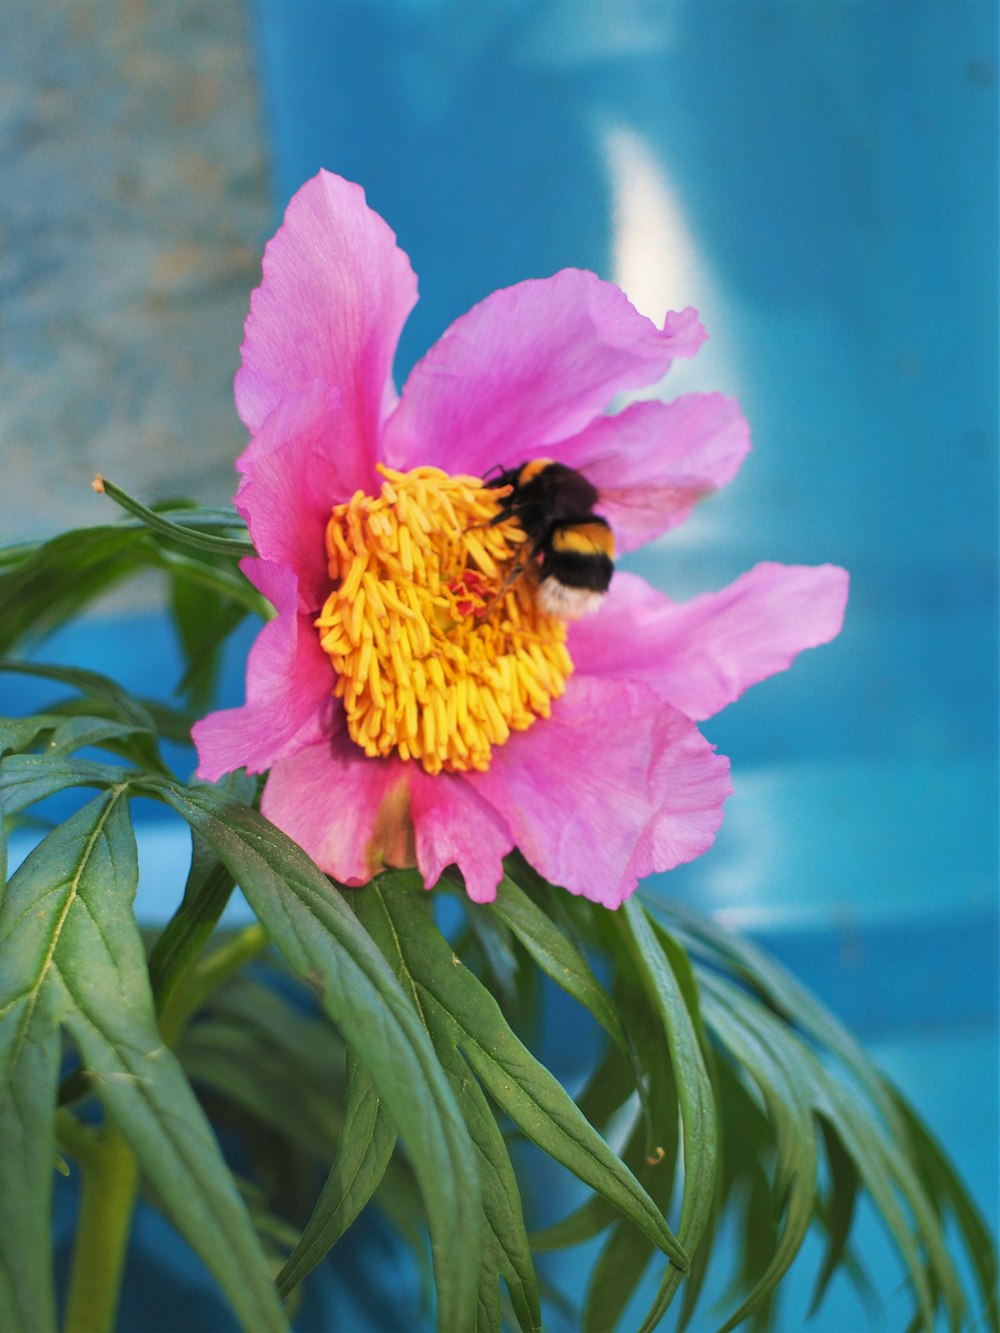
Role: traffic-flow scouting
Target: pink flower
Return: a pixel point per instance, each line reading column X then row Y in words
column 600, row 778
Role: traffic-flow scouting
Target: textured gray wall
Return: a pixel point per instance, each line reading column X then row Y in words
column 133, row 207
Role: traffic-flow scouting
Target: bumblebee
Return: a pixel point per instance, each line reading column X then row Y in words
column 570, row 546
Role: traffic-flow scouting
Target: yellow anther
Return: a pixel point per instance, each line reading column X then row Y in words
column 438, row 657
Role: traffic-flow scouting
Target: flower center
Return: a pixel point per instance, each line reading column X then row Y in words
column 440, row 647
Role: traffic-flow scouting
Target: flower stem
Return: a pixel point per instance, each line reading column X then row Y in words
column 189, row 536
column 206, row 976
column 110, row 1185
column 109, row 1170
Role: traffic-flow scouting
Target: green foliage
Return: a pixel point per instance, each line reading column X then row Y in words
column 364, row 1057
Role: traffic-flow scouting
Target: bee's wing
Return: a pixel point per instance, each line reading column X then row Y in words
column 653, row 461
column 638, row 514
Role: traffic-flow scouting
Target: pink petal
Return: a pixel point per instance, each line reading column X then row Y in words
column 455, row 825
column 615, row 785
column 701, row 655
column 529, row 365
column 328, row 797
column 292, row 478
column 654, row 461
column 335, row 293
column 289, row 680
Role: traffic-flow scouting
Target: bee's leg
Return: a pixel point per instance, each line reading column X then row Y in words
column 515, row 572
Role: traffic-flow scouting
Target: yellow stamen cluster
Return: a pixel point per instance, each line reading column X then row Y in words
column 439, row 645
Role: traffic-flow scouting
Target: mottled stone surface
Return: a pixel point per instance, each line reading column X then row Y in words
column 133, row 210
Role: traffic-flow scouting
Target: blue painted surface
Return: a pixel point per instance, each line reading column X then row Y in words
column 820, row 179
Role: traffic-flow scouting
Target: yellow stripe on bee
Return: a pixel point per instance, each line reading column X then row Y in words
column 532, row 469
column 584, row 539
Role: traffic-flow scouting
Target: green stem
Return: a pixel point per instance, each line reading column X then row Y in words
column 206, row 976
column 79, row 1141
column 204, row 541
column 110, row 1185
column 109, row 1171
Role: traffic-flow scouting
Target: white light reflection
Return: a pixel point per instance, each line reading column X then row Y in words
column 657, row 263
column 656, row 259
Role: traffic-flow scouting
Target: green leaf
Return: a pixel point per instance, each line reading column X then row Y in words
column 773, row 1060
column 610, row 1086
column 27, row 778
column 366, row 1145
column 946, row 1186
column 27, row 1132
column 520, row 1086
column 116, row 703
column 45, row 584
column 555, row 954
column 208, row 889
column 506, row 1253
column 123, row 706
column 319, row 936
column 839, row 1211
column 18, row 734
column 255, row 1049
column 876, row 1151
column 627, row 1252
column 163, row 526
column 42, row 585
column 71, row 954
column 666, row 975
column 204, row 619
column 864, row 1096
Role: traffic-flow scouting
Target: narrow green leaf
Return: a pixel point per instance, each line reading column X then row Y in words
column 793, row 1001
column 159, row 523
column 71, row 953
column 27, row 778
column 555, row 954
column 366, row 1145
column 863, row 1140
column 608, row 1089
column 27, row 1106
column 520, row 1086
column 208, row 889
column 18, row 734
column 839, row 1210
column 204, row 619
column 876, row 1152
column 73, row 733
column 318, row 934
column 671, row 989
column 942, row 1179
column 255, row 1048
column 207, row 574
column 773, row 1059
column 124, row 707
column 504, row 975
column 115, row 703
column 627, row 1252
column 44, row 584
column 506, row 1253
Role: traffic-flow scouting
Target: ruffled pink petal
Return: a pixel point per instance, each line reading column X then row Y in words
column 289, row 680
column 455, row 826
column 613, row 786
column 701, row 655
column 336, row 291
column 329, row 798
column 654, row 461
column 291, row 479
column 529, row 365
